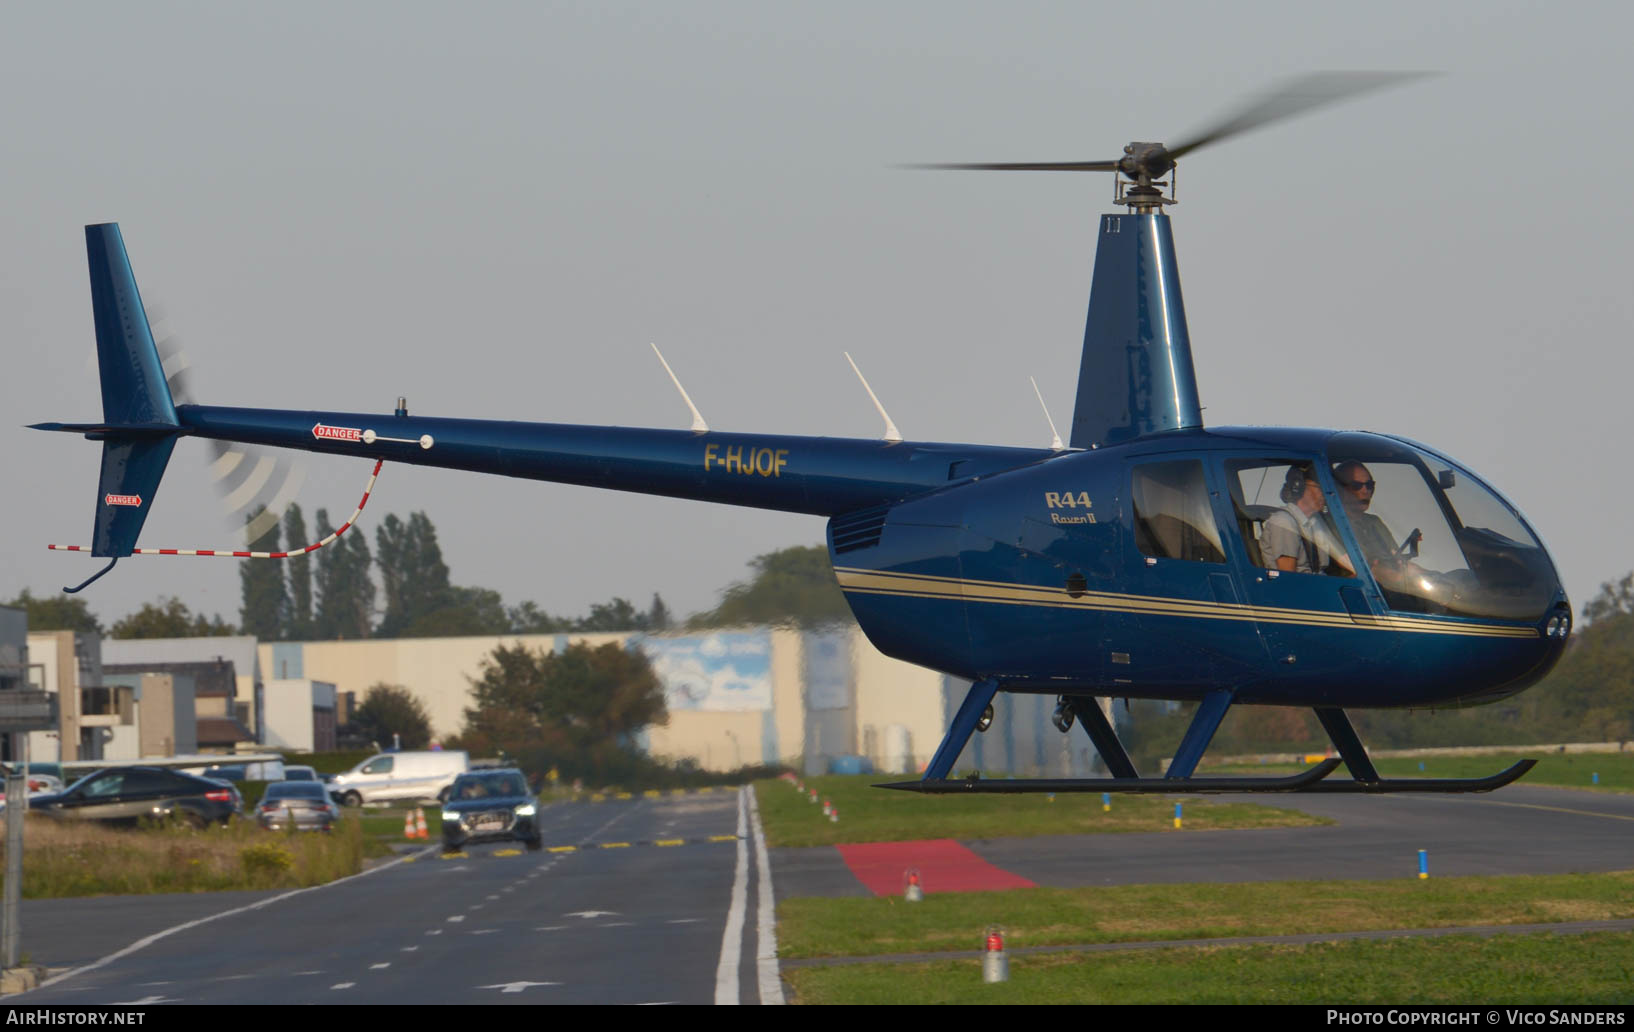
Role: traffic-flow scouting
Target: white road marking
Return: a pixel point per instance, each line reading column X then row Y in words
column 377, row 967
column 476, row 906
column 146, row 1000
column 685, row 920
column 309, row 972
column 771, row 982
column 493, row 897
column 408, row 949
column 591, row 914
column 619, row 924
column 146, row 984
column 726, row 972
column 483, row 931
column 343, row 985
column 435, row 931
column 141, row 944
column 550, row 928
column 457, row 917
column 515, row 987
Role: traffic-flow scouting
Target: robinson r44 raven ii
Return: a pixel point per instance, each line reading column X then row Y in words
column 1153, row 558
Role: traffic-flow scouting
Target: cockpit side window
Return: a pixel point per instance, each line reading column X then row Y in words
column 1285, row 524
column 1173, row 517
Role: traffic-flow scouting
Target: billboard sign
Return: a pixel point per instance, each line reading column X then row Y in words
column 726, row 671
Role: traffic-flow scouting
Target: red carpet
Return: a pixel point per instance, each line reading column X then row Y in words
column 944, row 866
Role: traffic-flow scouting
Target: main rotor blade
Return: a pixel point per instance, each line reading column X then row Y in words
column 1031, row 166
column 1295, row 97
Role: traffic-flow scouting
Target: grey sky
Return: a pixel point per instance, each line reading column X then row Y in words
column 492, row 208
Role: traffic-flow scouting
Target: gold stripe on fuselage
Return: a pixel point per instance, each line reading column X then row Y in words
column 878, row 582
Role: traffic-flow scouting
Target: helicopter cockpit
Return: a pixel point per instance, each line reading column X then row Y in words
column 1434, row 537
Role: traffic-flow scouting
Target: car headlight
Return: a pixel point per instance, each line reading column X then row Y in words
column 526, row 810
column 451, row 816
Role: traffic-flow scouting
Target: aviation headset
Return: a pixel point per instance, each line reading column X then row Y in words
column 1294, row 486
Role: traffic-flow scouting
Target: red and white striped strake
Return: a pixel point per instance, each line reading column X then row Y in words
column 228, row 554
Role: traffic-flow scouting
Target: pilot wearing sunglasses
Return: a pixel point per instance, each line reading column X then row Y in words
column 1356, row 486
column 1390, row 568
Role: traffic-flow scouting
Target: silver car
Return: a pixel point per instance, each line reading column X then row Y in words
column 303, row 805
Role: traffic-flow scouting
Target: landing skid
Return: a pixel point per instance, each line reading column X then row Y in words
column 1179, row 778
column 1305, row 781
column 1148, row 785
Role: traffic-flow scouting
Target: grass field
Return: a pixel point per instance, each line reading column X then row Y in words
column 1143, row 913
column 87, row 859
column 1570, row 770
column 870, row 814
column 1535, row 969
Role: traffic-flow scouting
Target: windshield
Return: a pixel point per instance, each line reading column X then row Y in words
column 489, row 786
column 1436, row 539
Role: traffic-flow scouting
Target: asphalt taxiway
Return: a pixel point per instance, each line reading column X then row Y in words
column 669, row 900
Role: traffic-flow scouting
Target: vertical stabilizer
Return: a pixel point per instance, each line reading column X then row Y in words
column 134, row 395
column 133, row 381
column 1136, row 377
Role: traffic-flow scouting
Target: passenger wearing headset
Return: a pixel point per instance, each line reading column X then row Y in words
column 1294, row 539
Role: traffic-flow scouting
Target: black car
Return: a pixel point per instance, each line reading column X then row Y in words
column 126, row 795
column 493, row 803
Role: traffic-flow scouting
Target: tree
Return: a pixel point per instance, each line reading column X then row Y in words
column 265, row 611
column 1612, row 600
column 413, row 576
column 791, row 586
column 56, row 613
column 298, row 572
column 469, row 611
column 658, row 615
column 345, row 592
column 169, row 618
column 614, row 615
column 528, row 618
column 576, row 709
column 390, row 710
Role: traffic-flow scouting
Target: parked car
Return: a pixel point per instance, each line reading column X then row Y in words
column 305, row 805
column 298, row 773
column 490, row 804
column 126, row 795
column 400, row 775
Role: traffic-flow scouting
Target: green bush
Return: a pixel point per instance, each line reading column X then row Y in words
column 266, row 858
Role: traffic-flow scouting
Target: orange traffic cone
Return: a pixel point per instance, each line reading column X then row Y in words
column 408, row 824
column 420, row 830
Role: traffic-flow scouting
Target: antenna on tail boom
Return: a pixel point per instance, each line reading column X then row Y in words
column 892, row 434
column 698, row 424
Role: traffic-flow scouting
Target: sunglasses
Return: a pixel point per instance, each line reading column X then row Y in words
column 1357, row 485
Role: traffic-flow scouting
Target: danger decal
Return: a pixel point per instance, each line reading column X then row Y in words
column 114, row 499
column 336, row 433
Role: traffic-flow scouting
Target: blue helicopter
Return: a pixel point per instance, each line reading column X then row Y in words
column 1154, row 558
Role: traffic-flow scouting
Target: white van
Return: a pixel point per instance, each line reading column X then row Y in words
column 400, row 775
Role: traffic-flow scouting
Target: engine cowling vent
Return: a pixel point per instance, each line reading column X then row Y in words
column 857, row 530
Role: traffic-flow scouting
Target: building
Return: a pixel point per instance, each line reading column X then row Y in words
column 208, row 687
column 229, row 710
column 300, row 715
column 812, row 700
column 69, row 664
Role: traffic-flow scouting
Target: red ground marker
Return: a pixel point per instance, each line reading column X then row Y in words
column 944, row 866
